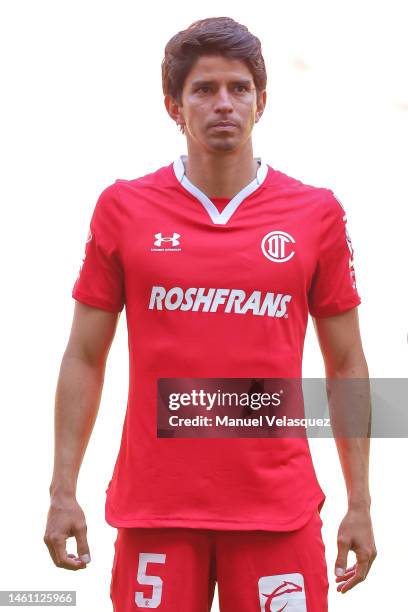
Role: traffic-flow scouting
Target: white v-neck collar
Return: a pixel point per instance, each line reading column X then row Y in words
column 219, row 218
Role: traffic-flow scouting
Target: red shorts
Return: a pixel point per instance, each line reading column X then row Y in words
column 175, row 570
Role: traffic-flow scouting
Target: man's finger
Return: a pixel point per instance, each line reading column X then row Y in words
column 349, row 584
column 373, row 555
column 343, row 547
column 348, row 574
column 61, row 557
column 82, row 544
column 53, row 555
column 360, row 574
column 51, row 551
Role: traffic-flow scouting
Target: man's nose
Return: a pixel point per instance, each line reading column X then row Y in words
column 223, row 100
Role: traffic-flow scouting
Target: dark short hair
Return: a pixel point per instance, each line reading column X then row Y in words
column 211, row 36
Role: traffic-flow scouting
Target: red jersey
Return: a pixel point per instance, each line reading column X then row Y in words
column 214, row 291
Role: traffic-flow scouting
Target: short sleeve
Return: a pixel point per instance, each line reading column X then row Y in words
column 100, row 281
column 333, row 288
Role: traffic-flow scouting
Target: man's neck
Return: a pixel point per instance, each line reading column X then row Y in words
column 221, row 175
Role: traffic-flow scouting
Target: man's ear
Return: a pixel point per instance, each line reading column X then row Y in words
column 174, row 110
column 260, row 105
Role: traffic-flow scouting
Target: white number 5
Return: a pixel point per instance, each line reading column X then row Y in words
column 155, row 581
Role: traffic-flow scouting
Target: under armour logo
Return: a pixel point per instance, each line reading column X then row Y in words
column 173, row 239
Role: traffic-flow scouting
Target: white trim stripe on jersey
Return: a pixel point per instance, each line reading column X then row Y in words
column 219, row 218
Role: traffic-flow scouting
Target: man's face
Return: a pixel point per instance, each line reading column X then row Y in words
column 217, row 90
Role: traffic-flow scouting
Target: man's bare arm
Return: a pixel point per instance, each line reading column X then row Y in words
column 340, row 342
column 77, row 399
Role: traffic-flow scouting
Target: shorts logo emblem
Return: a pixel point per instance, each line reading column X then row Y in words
column 283, row 592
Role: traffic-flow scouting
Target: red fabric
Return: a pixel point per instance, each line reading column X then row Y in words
column 254, row 570
column 238, row 483
column 220, row 203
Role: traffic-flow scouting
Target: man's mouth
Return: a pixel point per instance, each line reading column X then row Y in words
column 223, row 125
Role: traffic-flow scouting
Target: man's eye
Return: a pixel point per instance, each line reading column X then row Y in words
column 205, row 89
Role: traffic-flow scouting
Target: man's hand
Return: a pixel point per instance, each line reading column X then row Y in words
column 355, row 533
column 66, row 519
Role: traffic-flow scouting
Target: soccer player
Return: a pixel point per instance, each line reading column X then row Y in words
column 219, row 259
